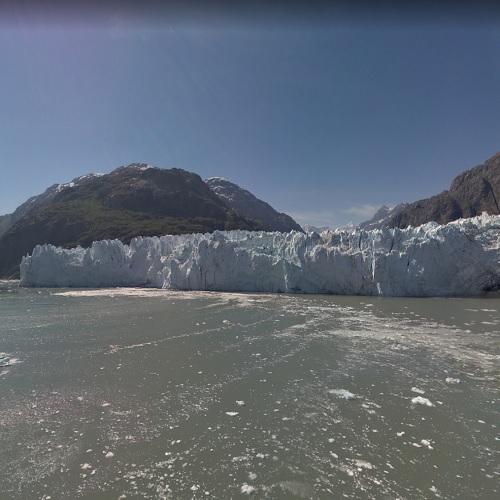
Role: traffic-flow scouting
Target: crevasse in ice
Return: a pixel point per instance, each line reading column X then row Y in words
column 459, row 258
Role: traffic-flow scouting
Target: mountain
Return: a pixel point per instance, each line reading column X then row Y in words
column 5, row 223
column 382, row 217
column 309, row 228
column 38, row 201
column 471, row 193
column 249, row 206
column 134, row 200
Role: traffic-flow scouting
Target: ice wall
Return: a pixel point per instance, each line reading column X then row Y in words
column 460, row 258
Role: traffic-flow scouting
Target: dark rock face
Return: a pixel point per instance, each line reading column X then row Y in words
column 5, row 223
column 471, row 193
column 475, row 191
column 251, row 207
column 136, row 200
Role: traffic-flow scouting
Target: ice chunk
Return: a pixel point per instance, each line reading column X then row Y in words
column 427, row 443
column 247, row 489
column 363, row 464
column 419, row 400
column 417, row 390
column 342, row 393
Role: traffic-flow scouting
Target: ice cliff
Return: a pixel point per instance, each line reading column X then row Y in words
column 459, row 258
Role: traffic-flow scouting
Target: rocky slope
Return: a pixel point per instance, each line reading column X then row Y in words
column 249, row 206
column 130, row 201
column 34, row 203
column 475, row 191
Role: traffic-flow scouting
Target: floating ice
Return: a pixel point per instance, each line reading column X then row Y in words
column 417, row 390
column 363, row 464
column 419, row 400
column 247, row 489
column 342, row 393
column 426, row 443
column 459, row 258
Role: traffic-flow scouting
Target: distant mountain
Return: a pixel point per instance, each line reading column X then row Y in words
column 471, row 193
column 308, row 228
column 382, row 217
column 250, row 207
column 134, row 200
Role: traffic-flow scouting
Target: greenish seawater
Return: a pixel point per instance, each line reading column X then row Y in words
column 152, row 394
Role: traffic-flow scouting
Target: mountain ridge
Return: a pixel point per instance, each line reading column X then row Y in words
column 248, row 205
column 132, row 200
column 471, row 192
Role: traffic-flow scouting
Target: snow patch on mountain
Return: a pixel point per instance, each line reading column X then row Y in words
column 251, row 207
column 57, row 188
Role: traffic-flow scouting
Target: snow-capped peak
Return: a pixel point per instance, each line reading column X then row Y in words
column 141, row 166
column 223, row 179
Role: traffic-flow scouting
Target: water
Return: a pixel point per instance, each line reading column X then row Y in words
column 155, row 394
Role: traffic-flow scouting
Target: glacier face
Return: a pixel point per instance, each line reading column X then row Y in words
column 459, row 258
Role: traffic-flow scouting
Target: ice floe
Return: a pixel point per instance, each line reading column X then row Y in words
column 419, row 400
column 343, row 394
column 247, row 489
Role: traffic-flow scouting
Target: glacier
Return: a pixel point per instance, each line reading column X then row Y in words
column 461, row 258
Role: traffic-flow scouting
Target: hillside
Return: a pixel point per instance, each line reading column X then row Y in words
column 135, row 200
column 249, row 206
column 471, row 193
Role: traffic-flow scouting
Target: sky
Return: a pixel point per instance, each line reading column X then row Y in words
column 326, row 118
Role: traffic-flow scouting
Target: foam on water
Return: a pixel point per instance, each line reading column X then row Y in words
column 164, row 395
column 7, row 359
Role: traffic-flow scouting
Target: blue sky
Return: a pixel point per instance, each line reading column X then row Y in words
column 325, row 121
